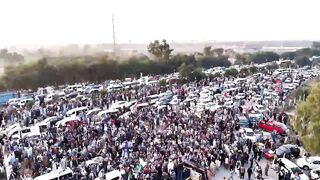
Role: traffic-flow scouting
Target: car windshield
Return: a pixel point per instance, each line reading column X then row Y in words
column 309, row 160
column 250, row 134
column 283, row 149
column 296, row 170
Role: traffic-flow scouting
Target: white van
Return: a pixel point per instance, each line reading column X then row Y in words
column 49, row 97
column 103, row 113
column 93, row 111
column 114, row 87
column 288, row 166
column 113, row 175
column 12, row 128
column 19, row 132
column 153, row 98
column 76, row 111
column 56, row 175
column 14, row 101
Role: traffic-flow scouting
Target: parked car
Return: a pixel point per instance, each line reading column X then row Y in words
column 260, row 108
column 307, row 163
column 271, row 126
column 248, row 134
column 288, row 166
column 243, row 121
column 254, row 118
column 288, row 150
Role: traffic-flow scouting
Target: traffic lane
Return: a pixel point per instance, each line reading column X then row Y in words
column 223, row 172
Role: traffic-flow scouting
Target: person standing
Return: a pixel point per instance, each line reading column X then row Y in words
column 251, row 161
column 249, row 171
column 297, row 177
column 266, row 169
column 231, row 175
column 242, row 172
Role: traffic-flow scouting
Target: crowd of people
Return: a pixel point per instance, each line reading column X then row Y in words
column 146, row 143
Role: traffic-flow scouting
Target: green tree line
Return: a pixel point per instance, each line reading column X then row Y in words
column 53, row 71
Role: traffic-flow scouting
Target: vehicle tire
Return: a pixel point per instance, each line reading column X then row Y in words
column 305, row 168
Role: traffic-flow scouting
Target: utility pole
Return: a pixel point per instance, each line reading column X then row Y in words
column 114, row 36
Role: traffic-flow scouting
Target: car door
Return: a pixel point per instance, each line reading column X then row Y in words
column 269, row 126
column 278, row 129
column 315, row 164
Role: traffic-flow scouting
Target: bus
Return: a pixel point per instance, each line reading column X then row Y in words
column 6, row 96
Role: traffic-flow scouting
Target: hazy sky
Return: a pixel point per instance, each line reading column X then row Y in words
column 46, row 22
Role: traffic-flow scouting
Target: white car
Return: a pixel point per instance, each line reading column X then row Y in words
column 121, row 104
column 256, row 98
column 290, row 87
column 315, row 174
column 240, row 96
column 289, row 166
column 174, row 101
column 260, row 109
column 228, row 104
column 288, row 80
column 307, row 163
column 248, row 134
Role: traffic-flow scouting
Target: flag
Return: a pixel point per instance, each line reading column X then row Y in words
column 135, row 106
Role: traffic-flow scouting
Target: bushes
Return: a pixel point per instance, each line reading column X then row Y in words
column 307, row 119
column 231, row 72
column 41, row 73
column 209, row 62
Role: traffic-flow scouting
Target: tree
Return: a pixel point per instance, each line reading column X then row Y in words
column 253, row 69
column 178, row 59
column 302, row 92
column 316, row 45
column 231, row 72
column 10, row 56
column 215, row 75
column 288, row 55
column 307, row 120
column 163, row 83
column 302, row 61
column 218, row 51
column 244, row 72
column 274, row 65
column 304, row 52
column 3, row 52
column 286, row 64
column 185, row 70
column 264, row 57
column 103, row 93
column 207, row 51
column 196, row 74
column 209, row 62
column 161, row 50
column 243, row 59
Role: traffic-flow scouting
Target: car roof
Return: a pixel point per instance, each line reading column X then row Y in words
column 248, row 129
column 288, row 163
column 314, row 158
column 289, row 145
